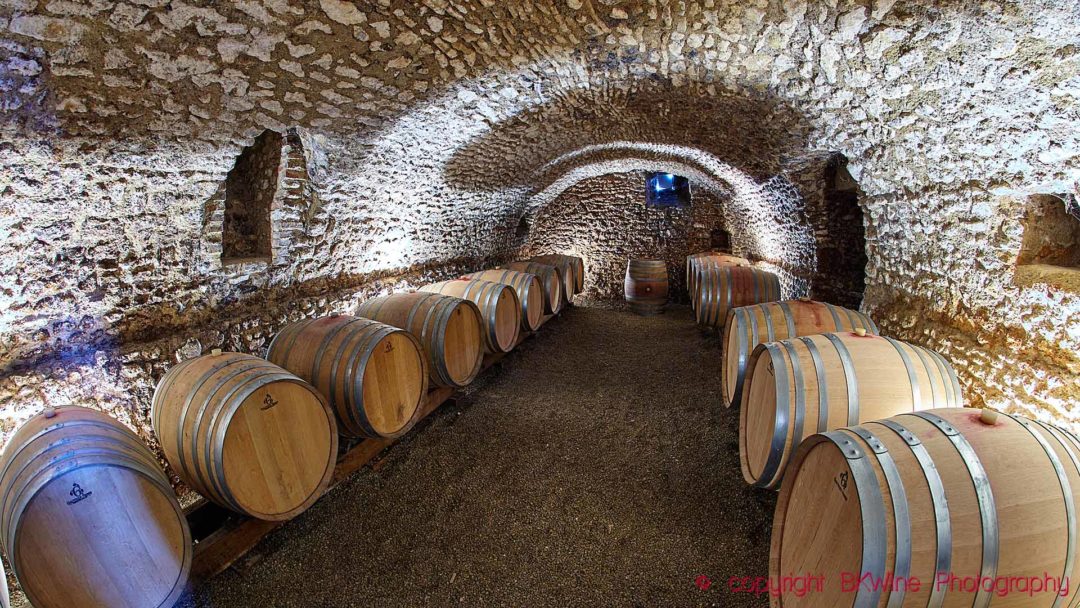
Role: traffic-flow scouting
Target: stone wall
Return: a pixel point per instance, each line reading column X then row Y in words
column 428, row 130
column 604, row 220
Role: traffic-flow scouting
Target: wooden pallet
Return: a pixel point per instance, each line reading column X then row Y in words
column 223, row 537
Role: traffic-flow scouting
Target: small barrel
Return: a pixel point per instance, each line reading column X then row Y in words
column 978, row 510
column 696, row 261
column 748, row 326
column 373, row 375
column 498, row 304
column 246, row 434
column 722, row 288
column 449, row 328
column 87, row 516
column 646, row 286
column 567, row 271
column 528, row 289
column 549, row 279
column 812, row 384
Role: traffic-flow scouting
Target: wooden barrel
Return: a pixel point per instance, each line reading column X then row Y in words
column 980, row 511
column 568, row 270
column 801, row 386
column 246, row 434
column 722, row 288
column 529, row 292
column 549, row 279
column 449, row 328
column 88, row 518
column 646, row 286
column 577, row 266
column 373, row 375
column 696, row 261
column 748, row 326
column 498, row 304
column 579, row 273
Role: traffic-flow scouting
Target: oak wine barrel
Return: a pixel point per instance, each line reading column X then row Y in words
column 550, row 279
column 529, row 292
column 373, row 375
column 498, row 304
column 579, row 271
column 449, row 328
column 577, row 265
column 246, row 434
column 811, row 384
column 979, row 509
column 696, row 261
column 87, row 516
column 748, row 326
column 721, row 288
column 568, row 270
column 646, row 286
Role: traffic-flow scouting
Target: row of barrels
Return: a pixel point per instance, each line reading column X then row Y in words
column 890, row 492
column 89, row 519
column 717, row 282
column 801, row 367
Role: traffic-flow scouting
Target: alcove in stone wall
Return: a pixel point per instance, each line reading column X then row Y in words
column 1050, row 250
column 250, row 189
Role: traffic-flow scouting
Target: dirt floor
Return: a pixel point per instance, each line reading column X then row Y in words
column 594, row 467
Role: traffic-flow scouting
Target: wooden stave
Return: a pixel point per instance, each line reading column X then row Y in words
column 348, row 407
column 941, row 446
column 432, row 341
column 550, row 280
column 747, row 324
column 487, row 296
column 205, row 447
column 524, row 284
column 48, row 458
column 809, row 366
column 722, row 288
column 645, row 275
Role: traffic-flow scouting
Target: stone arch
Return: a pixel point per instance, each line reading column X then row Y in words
column 766, row 220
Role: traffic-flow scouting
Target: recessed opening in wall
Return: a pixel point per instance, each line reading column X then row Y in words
column 667, row 190
column 250, row 188
column 720, row 240
column 522, row 228
column 1050, row 251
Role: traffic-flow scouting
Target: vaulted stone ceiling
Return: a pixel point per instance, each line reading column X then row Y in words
column 432, row 128
column 731, row 77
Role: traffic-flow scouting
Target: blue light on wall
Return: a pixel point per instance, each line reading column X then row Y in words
column 667, row 190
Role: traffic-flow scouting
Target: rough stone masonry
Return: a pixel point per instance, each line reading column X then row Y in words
column 421, row 139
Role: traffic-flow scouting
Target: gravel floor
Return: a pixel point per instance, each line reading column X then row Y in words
column 595, row 467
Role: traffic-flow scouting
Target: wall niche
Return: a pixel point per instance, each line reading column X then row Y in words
column 250, row 189
column 1050, row 249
